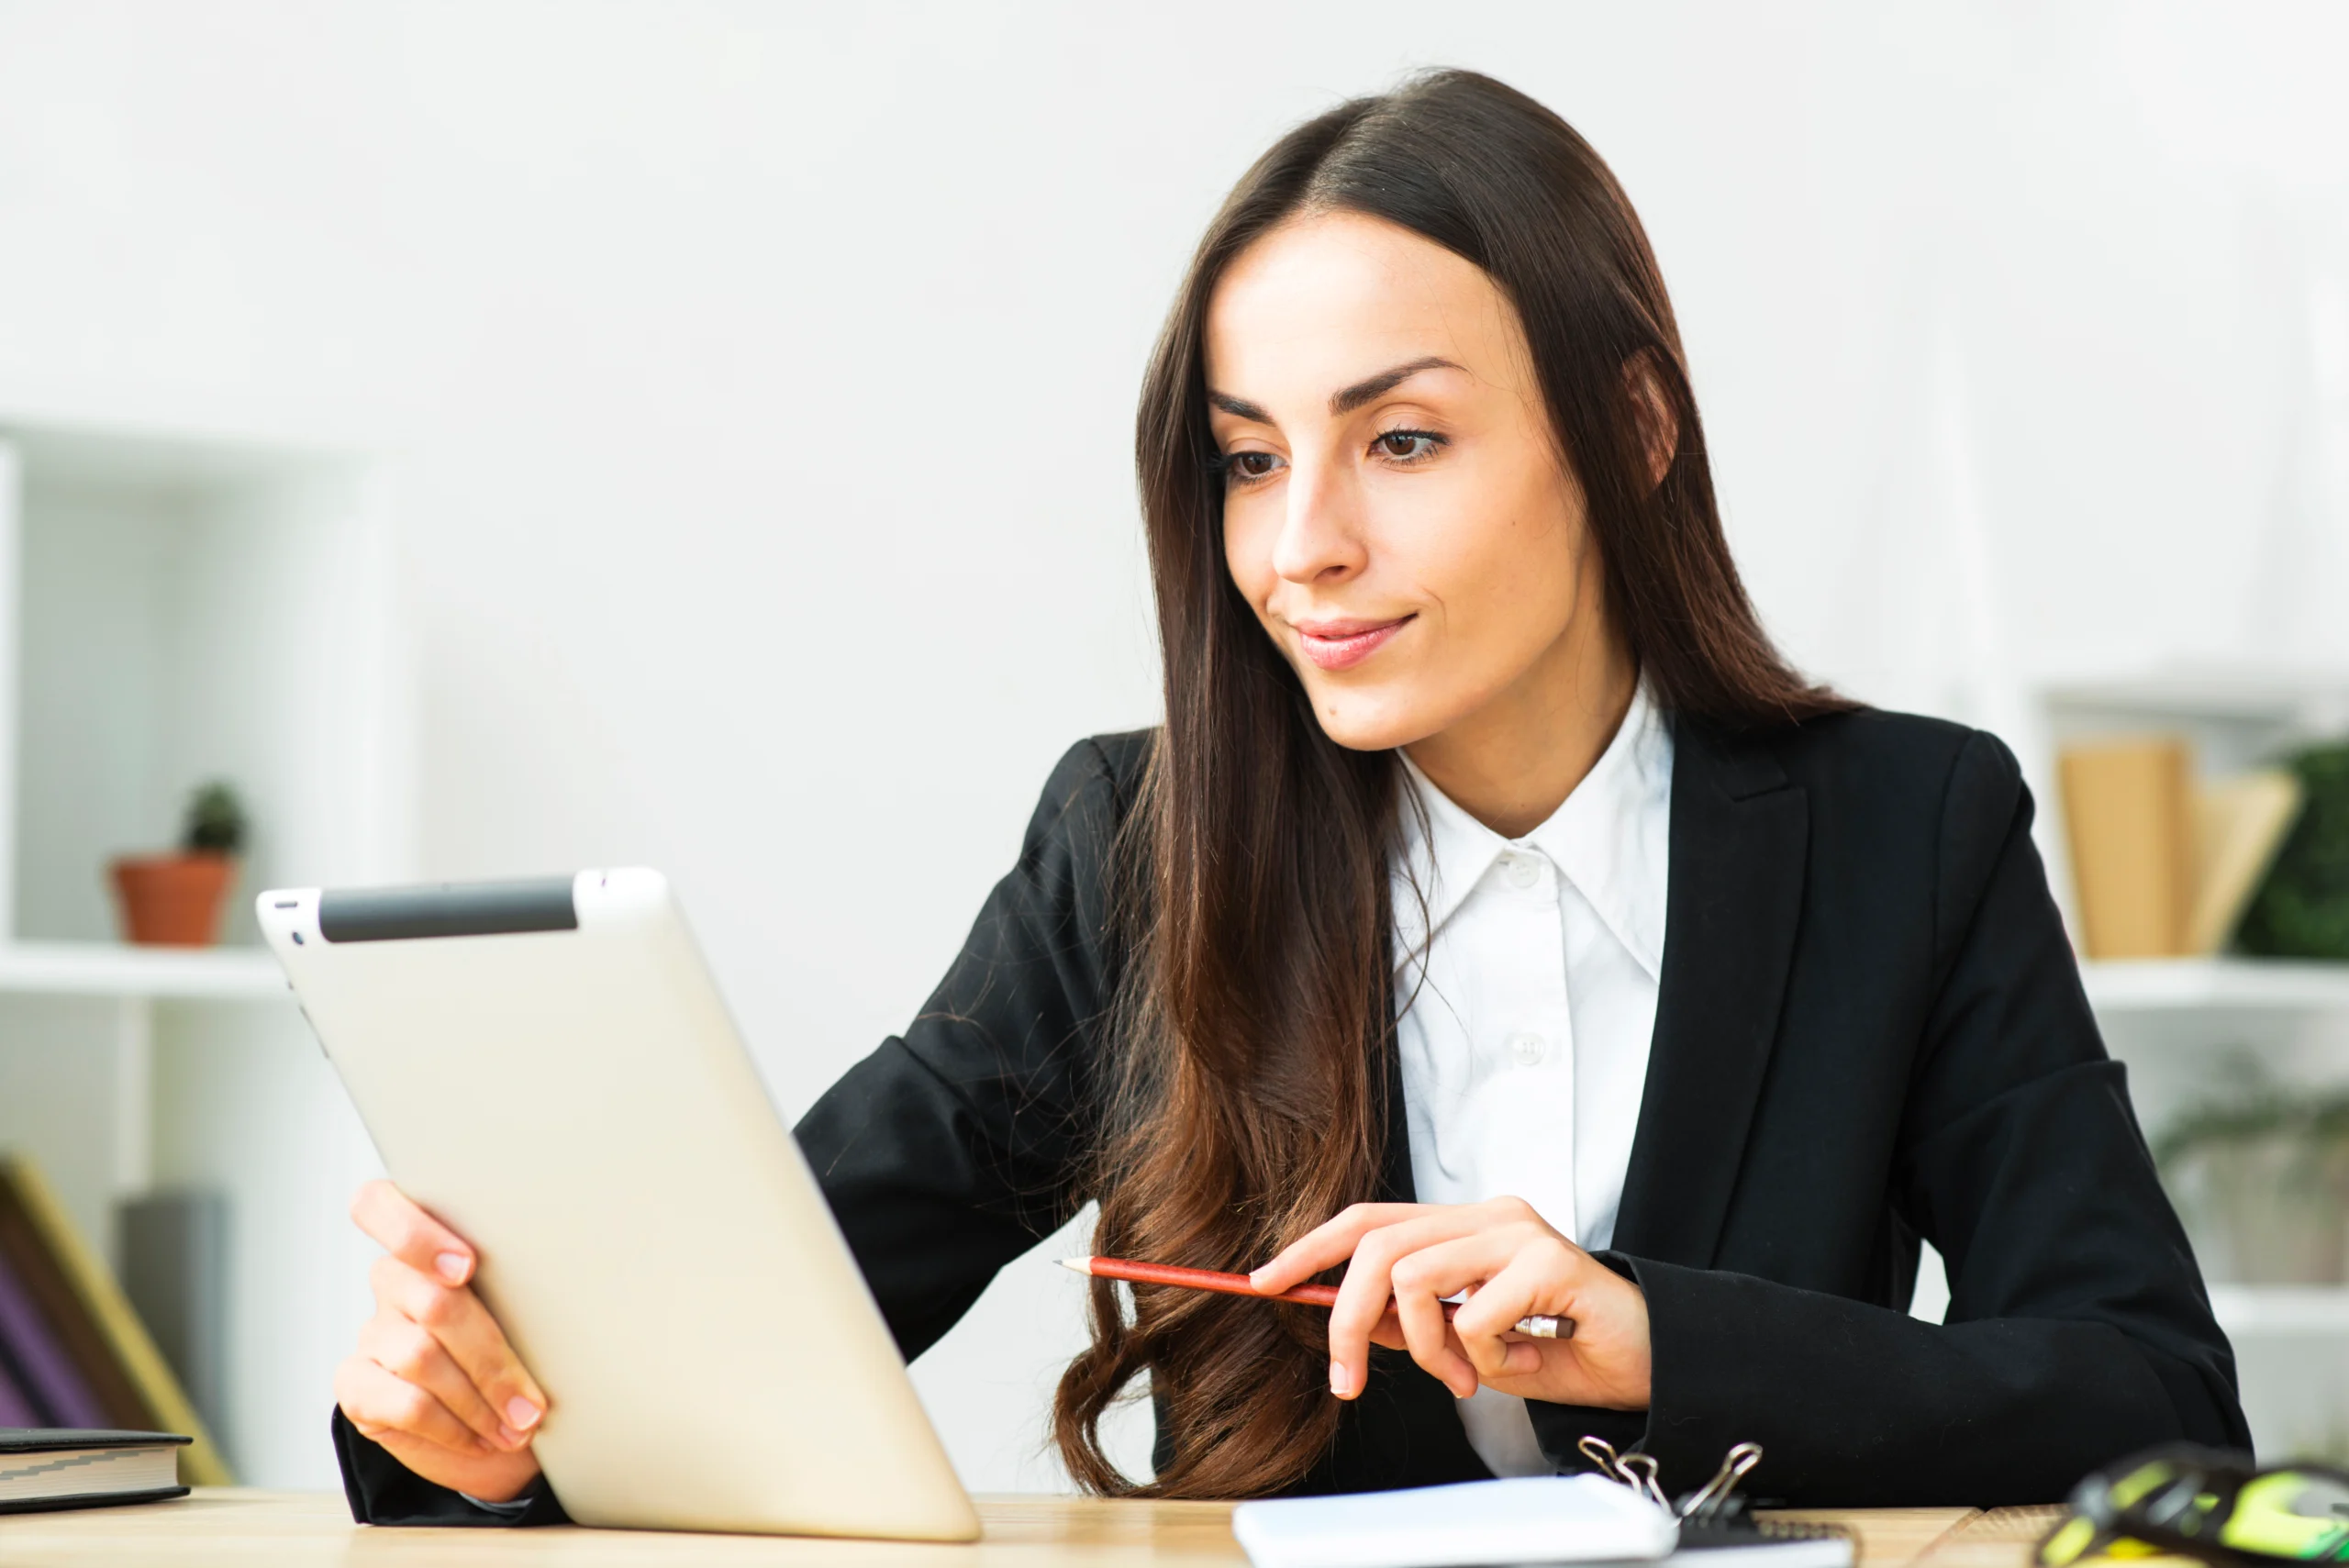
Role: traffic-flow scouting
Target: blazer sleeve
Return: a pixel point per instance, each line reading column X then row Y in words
column 2077, row 1330
column 954, row 1147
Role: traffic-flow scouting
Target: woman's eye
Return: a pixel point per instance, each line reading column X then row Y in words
column 1248, row 467
column 1406, row 446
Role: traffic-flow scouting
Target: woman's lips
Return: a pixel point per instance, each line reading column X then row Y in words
column 1342, row 644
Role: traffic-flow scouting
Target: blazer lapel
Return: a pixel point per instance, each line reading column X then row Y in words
column 1740, row 834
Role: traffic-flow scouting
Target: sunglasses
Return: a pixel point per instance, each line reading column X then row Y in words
column 2200, row 1503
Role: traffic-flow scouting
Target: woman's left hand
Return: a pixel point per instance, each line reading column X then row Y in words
column 1403, row 1259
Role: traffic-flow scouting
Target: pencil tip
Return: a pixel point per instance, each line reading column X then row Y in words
column 1077, row 1265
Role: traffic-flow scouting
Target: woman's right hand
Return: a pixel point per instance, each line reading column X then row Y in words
column 434, row 1380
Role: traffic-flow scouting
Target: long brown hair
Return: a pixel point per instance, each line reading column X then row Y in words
column 1247, row 1102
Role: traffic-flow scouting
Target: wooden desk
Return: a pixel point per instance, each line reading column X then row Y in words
column 233, row 1529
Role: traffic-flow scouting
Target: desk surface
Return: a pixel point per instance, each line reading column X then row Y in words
column 292, row 1529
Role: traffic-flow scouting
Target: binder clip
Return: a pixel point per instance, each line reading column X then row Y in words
column 1716, row 1500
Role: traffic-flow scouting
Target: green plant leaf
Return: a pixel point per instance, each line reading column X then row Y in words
column 215, row 823
column 2301, row 909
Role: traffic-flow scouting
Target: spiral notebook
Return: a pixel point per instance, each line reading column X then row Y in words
column 1739, row 1540
column 1476, row 1524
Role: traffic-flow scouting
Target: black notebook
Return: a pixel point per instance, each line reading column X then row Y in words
column 67, row 1467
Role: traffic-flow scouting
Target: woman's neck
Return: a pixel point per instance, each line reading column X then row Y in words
column 1512, row 762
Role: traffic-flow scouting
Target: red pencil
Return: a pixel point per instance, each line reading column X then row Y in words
column 1536, row 1327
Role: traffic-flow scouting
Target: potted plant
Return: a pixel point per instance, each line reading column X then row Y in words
column 2301, row 909
column 2261, row 1177
column 174, row 900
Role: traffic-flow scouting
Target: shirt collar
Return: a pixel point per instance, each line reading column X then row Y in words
column 1608, row 838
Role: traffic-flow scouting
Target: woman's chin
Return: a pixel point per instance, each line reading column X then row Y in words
column 1373, row 721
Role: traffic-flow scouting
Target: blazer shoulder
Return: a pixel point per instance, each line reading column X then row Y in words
column 1896, row 801
column 1122, row 756
column 1877, row 780
column 1901, row 788
column 1093, row 788
column 1891, row 757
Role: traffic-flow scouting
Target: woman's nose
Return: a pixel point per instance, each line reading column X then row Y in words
column 1321, row 538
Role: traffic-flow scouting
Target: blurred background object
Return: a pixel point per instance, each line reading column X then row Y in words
column 174, row 900
column 2165, row 862
column 73, row 1352
column 2261, row 1176
column 2240, row 824
column 515, row 436
column 174, row 1251
column 2302, row 909
column 2129, row 806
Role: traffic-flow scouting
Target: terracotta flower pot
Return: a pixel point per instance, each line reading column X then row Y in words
column 172, row 900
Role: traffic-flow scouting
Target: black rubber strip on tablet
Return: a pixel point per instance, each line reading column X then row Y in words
column 449, row 909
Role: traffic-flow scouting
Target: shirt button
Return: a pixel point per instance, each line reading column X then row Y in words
column 1528, row 1048
column 1522, row 871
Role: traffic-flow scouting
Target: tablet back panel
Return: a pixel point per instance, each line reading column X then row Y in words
column 548, row 1067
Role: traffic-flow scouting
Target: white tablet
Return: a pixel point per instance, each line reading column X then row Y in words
column 548, row 1067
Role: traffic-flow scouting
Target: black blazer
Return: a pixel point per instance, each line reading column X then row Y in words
column 1870, row 1030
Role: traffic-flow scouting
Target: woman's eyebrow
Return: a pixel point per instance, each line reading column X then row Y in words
column 1348, row 399
column 1239, row 407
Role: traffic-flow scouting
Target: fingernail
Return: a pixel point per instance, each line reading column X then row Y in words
column 521, row 1412
column 1256, row 1278
column 511, row 1437
column 452, row 1266
column 1339, row 1381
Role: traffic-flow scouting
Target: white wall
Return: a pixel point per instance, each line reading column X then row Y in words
column 761, row 378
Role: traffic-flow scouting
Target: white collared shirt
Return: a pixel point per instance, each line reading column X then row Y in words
column 1524, row 1020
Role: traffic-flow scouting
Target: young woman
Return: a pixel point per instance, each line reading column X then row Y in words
column 1494, row 910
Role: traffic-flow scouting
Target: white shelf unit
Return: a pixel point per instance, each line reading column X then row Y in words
column 118, row 970
column 2136, row 987
column 2272, row 1311
column 2237, row 717
column 175, row 609
column 2190, row 1028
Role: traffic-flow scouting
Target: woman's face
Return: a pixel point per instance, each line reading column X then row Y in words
column 1395, row 509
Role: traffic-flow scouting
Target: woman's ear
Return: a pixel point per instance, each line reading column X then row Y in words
column 1659, row 426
